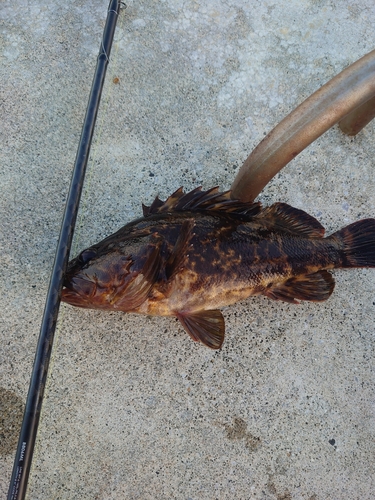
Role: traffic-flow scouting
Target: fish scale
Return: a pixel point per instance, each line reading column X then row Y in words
column 197, row 252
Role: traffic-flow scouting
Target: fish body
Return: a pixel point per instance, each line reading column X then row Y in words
column 198, row 252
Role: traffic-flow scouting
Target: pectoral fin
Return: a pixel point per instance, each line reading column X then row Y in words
column 207, row 327
column 138, row 284
column 315, row 287
column 179, row 254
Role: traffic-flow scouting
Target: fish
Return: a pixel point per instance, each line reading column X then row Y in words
column 197, row 252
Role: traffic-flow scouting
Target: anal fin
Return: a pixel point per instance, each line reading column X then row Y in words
column 315, row 287
column 207, row 327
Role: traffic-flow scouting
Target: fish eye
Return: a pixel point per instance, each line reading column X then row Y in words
column 86, row 255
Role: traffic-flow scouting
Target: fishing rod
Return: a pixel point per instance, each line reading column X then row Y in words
column 29, row 428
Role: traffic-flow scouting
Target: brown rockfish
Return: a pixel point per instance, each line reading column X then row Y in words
column 197, row 252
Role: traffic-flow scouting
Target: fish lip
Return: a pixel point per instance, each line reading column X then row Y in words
column 78, row 291
column 70, row 297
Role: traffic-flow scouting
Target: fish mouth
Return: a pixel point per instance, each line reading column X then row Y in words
column 78, row 292
column 82, row 292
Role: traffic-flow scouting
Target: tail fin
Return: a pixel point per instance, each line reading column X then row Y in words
column 357, row 242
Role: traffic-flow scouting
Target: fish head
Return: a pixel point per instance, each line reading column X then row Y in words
column 112, row 275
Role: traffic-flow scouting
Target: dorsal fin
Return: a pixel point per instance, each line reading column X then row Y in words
column 293, row 220
column 198, row 200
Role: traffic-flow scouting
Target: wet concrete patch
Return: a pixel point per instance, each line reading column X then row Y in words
column 11, row 412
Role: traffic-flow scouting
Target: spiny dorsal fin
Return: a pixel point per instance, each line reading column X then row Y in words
column 198, row 200
column 293, row 220
column 207, row 327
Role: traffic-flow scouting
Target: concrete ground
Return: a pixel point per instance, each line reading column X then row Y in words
column 133, row 408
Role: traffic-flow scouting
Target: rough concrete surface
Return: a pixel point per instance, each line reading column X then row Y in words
column 133, row 408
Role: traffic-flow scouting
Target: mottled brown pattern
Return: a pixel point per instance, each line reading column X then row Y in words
column 202, row 251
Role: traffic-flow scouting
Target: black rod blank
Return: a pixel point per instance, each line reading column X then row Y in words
column 25, row 449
